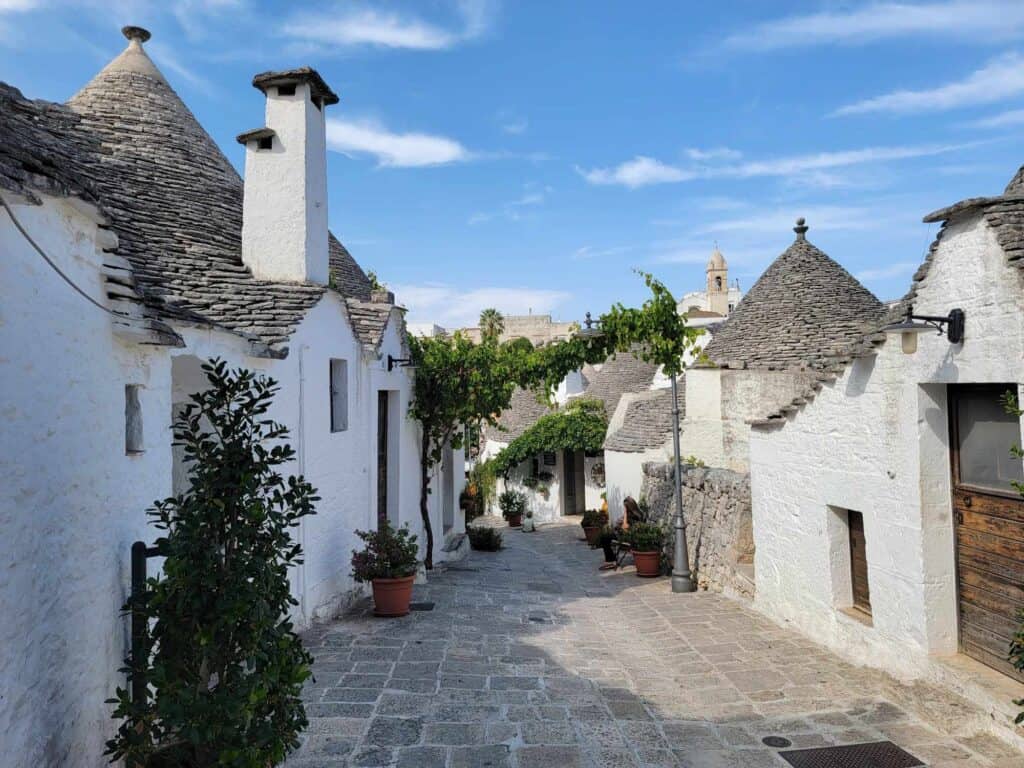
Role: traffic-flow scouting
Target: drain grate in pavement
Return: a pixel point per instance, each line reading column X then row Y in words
column 778, row 742
column 879, row 754
column 421, row 606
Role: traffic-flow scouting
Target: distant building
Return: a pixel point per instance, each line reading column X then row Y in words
column 718, row 299
column 539, row 329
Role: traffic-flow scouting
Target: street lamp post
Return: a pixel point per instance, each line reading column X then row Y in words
column 682, row 579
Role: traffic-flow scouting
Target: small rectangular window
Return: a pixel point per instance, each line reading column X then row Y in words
column 550, row 458
column 132, row 420
column 286, row 90
column 265, row 142
column 859, row 562
column 339, row 395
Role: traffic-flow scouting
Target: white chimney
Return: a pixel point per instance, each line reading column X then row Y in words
column 570, row 386
column 284, row 214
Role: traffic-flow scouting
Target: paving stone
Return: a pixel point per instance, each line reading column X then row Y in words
column 422, row 757
column 453, row 733
column 550, row 757
column 394, row 731
column 490, row 756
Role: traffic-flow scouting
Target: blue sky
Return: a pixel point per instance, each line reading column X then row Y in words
column 530, row 155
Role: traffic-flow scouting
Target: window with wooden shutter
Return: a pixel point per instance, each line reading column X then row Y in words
column 859, row 562
column 339, row 395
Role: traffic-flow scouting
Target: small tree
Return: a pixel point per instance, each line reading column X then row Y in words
column 457, row 384
column 223, row 663
column 492, row 324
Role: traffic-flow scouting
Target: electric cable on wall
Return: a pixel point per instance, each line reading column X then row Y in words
column 53, row 265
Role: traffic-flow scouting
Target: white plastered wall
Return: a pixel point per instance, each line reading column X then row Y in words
column 876, row 441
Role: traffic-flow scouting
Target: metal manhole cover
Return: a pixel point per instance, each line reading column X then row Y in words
column 879, row 754
column 421, row 606
column 778, row 742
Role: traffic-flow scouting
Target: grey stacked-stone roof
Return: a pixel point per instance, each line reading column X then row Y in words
column 625, row 372
column 127, row 142
column 525, row 408
column 647, row 423
column 801, row 313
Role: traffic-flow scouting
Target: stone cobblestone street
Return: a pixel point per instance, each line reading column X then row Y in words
column 531, row 658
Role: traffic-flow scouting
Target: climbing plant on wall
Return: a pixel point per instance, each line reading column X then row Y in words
column 580, row 426
column 1016, row 655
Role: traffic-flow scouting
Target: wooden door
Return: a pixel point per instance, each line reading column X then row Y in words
column 859, row 562
column 382, row 458
column 989, row 516
column 569, row 481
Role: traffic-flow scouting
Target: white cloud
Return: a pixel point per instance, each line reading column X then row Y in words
column 391, row 29
column 638, row 172
column 587, row 252
column 975, row 19
column 399, row 150
column 897, row 269
column 644, row 170
column 514, row 209
column 1002, row 120
column 1001, row 78
column 167, row 58
column 14, row 6
column 716, row 153
column 514, row 125
column 453, row 307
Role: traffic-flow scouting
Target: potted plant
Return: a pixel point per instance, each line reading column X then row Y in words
column 593, row 521
column 388, row 560
column 646, row 541
column 513, row 505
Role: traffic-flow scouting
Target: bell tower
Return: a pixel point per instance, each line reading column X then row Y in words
column 718, row 283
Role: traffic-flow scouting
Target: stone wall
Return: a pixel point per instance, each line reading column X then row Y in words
column 716, row 508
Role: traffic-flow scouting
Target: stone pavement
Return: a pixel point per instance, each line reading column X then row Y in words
column 531, row 658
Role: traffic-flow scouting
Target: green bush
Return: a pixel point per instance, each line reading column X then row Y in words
column 388, row 554
column 646, row 537
column 594, row 518
column 512, row 503
column 223, row 665
column 484, row 539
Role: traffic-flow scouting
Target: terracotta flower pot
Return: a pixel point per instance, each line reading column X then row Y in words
column 648, row 564
column 391, row 597
column 593, row 534
column 514, row 521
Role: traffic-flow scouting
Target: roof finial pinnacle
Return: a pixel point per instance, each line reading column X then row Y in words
column 800, row 229
column 136, row 34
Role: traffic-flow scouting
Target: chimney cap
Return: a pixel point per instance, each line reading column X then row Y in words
column 800, row 228
column 255, row 134
column 319, row 90
column 140, row 34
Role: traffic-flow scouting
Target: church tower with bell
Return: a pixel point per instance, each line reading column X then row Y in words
column 718, row 283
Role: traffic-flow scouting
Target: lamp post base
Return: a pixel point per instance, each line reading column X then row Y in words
column 683, row 584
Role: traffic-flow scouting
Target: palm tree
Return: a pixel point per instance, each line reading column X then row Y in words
column 492, row 324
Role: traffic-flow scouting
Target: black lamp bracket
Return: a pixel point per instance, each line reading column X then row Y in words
column 398, row 362
column 952, row 324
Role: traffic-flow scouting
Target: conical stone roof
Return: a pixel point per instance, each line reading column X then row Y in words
column 175, row 203
column 801, row 310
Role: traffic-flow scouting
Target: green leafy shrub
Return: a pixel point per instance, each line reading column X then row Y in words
column 483, row 538
column 594, row 518
column 579, row 426
column 388, row 554
column 512, row 504
column 646, row 537
column 483, row 479
column 223, row 664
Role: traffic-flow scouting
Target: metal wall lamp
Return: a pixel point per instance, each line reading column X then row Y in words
column 399, row 362
column 952, row 325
